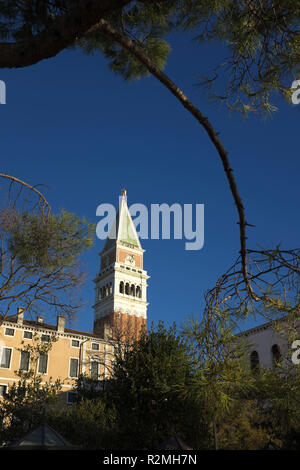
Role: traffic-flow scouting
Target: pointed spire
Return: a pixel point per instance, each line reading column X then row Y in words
column 123, row 229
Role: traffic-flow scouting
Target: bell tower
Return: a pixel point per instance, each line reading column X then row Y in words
column 120, row 308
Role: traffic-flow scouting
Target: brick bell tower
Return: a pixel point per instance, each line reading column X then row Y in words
column 120, row 308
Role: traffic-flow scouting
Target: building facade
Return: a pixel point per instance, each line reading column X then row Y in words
column 120, row 312
column 73, row 353
column 266, row 346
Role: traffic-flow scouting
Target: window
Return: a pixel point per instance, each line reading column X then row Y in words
column 43, row 364
column 24, row 363
column 9, row 332
column 72, row 397
column 254, row 361
column 138, row 292
column 45, row 338
column 121, row 287
column 27, row 335
column 276, row 355
column 94, row 370
column 75, row 343
column 3, row 390
column 5, row 358
column 73, row 367
column 95, row 346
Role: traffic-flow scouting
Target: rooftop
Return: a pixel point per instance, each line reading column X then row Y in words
column 48, row 326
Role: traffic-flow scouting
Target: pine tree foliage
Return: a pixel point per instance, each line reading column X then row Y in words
column 261, row 40
column 221, row 375
column 149, row 378
column 48, row 243
column 89, row 424
column 40, row 261
column 145, row 25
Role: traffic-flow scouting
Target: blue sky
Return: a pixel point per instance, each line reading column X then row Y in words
column 74, row 126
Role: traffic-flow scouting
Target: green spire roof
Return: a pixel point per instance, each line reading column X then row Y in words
column 123, row 229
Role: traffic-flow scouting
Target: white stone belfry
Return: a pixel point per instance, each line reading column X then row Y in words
column 121, row 285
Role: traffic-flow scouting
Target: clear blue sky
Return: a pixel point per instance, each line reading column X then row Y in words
column 71, row 124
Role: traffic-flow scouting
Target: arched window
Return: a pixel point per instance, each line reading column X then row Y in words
column 110, row 288
column 138, row 292
column 276, row 355
column 132, row 290
column 122, row 287
column 127, row 289
column 254, row 361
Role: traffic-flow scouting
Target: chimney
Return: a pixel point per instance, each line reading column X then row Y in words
column 39, row 319
column 61, row 323
column 20, row 315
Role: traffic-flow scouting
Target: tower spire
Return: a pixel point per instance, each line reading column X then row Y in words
column 121, row 284
column 123, row 229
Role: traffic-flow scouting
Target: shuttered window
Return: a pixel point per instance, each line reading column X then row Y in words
column 43, row 363
column 27, row 335
column 3, row 390
column 94, row 370
column 24, row 363
column 9, row 332
column 73, row 367
column 5, row 358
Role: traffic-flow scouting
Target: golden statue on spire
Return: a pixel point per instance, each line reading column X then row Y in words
column 123, row 192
